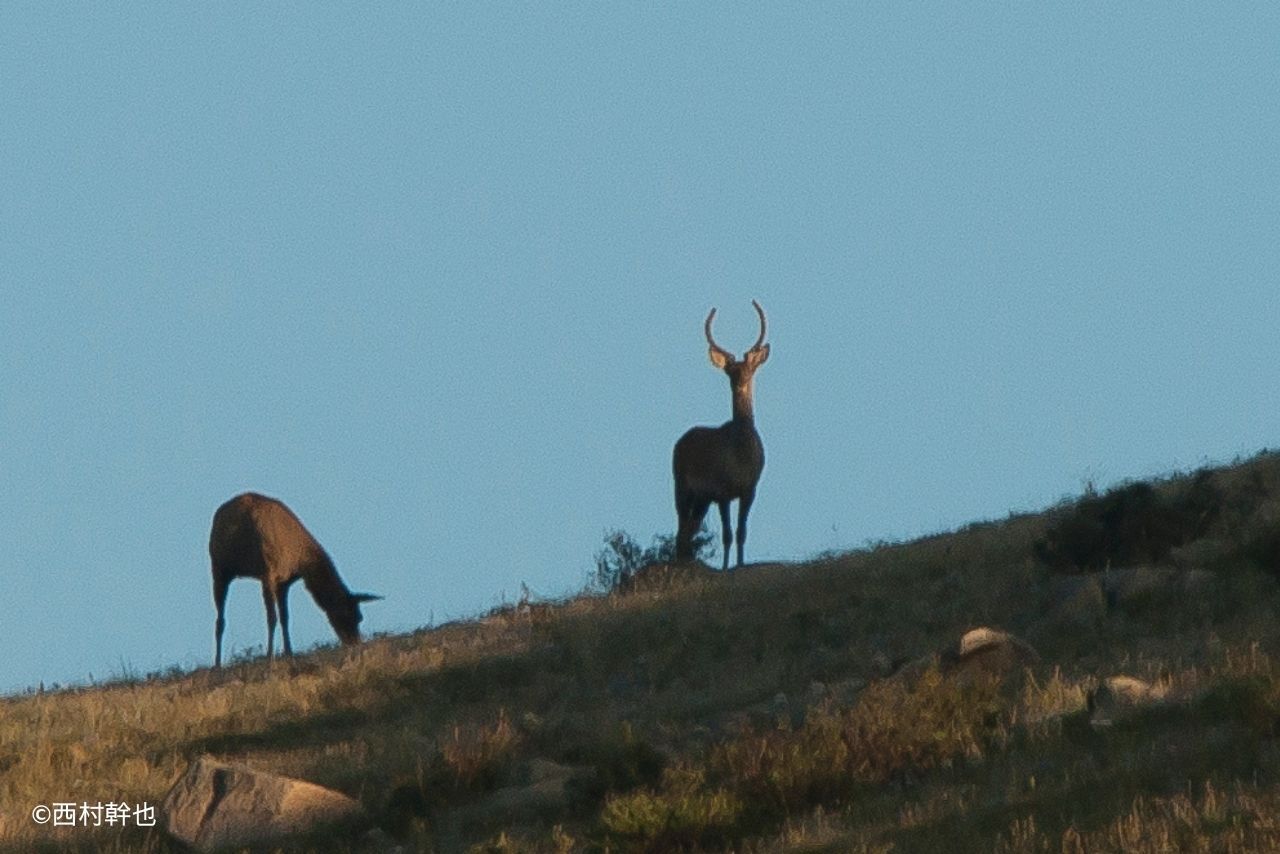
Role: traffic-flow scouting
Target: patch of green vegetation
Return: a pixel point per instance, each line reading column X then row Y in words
column 682, row 813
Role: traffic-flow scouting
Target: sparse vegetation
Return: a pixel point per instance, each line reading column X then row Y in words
column 622, row 558
column 765, row 710
column 682, row 813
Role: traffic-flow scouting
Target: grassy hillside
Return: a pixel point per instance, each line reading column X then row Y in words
column 808, row 707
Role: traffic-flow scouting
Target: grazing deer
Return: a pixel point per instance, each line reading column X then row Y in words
column 258, row 537
column 722, row 463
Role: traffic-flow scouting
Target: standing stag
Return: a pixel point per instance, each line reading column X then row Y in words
column 722, row 463
column 258, row 537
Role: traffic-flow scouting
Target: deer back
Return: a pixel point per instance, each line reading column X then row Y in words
column 259, row 537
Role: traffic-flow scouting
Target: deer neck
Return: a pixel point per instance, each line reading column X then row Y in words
column 324, row 585
column 743, row 409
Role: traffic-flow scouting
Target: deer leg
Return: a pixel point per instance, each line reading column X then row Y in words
column 682, row 510
column 269, row 599
column 744, row 507
column 220, row 603
column 726, row 533
column 692, row 512
column 282, row 601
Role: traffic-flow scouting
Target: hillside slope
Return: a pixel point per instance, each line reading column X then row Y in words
column 809, row 707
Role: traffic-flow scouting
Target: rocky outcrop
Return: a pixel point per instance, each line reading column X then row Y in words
column 216, row 805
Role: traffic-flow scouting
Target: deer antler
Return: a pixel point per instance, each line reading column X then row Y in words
column 714, row 346
column 759, row 311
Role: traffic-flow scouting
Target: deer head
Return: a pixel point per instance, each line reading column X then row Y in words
column 740, row 372
column 345, row 617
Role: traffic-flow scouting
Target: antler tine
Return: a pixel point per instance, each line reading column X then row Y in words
column 712, row 341
column 760, row 340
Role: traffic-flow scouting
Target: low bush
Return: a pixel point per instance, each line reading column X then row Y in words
column 622, row 557
column 1133, row 524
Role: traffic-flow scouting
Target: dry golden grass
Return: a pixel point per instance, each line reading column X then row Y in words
column 666, row 700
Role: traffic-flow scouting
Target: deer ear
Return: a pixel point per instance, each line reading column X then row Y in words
column 758, row 356
column 719, row 357
column 365, row 597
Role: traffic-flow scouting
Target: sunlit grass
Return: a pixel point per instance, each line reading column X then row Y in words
column 755, row 710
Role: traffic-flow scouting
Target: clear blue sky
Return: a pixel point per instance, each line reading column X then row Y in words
column 435, row 275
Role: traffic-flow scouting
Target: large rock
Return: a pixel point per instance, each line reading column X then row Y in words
column 216, row 805
column 983, row 651
column 988, row 651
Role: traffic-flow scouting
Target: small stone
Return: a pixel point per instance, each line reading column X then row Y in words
column 1119, row 696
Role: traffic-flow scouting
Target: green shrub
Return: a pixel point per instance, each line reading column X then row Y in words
column 622, row 557
column 684, row 812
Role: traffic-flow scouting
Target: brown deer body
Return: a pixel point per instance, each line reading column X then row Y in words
column 721, row 464
column 254, row 536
